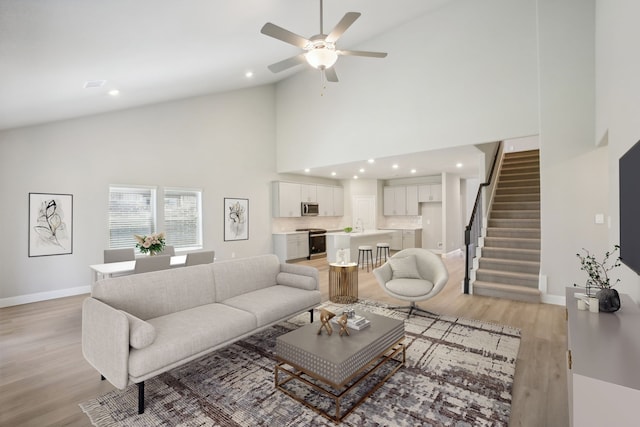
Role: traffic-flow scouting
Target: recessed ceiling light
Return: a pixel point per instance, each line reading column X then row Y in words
column 413, row 171
column 395, row 166
column 89, row 84
column 307, row 170
column 370, row 161
column 459, row 165
column 333, row 174
column 355, row 176
column 114, row 92
column 248, row 74
column 361, row 170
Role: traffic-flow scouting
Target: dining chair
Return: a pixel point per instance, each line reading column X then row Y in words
column 152, row 263
column 202, row 257
column 168, row 250
column 119, row 255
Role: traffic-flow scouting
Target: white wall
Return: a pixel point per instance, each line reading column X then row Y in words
column 452, row 223
column 464, row 74
column 574, row 176
column 617, row 106
column 223, row 144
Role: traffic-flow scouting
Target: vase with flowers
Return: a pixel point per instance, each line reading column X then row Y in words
column 152, row 243
column 599, row 283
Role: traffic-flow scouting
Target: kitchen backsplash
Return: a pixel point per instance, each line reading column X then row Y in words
column 282, row 225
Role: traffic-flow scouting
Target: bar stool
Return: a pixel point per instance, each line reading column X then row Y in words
column 363, row 251
column 382, row 249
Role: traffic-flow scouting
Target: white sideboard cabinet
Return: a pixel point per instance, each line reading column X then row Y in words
column 603, row 364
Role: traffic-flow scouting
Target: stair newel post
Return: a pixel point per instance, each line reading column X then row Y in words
column 467, row 242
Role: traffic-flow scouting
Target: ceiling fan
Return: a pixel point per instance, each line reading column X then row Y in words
column 320, row 50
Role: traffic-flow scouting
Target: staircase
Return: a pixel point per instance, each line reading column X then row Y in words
column 509, row 262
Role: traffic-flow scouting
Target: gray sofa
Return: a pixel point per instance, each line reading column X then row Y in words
column 138, row 326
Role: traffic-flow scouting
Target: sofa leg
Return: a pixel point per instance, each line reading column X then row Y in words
column 102, row 378
column 311, row 316
column 141, row 397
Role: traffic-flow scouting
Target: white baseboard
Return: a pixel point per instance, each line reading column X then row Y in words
column 43, row 296
column 553, row 299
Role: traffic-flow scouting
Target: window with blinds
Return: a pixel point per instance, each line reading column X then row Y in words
column 183, row 218
column 131, row 211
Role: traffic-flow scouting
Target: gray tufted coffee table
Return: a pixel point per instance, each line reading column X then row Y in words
column 340, row 362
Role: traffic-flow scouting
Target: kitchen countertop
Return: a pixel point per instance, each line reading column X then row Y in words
column 358, row 233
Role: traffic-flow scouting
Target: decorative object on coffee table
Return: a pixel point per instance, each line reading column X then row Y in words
column 342, row 321
column 599, row 284
column 325, row 317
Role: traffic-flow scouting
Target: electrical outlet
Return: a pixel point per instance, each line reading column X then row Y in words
column 440, row 244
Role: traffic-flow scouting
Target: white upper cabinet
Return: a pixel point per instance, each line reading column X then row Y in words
column 400, row 200
column 325, row 200
column 338, row 201
column 430, row 193
column 286, row 199
column 308, row 192
column 412, row 200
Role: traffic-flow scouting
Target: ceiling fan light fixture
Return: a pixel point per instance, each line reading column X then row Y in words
column 321, row 58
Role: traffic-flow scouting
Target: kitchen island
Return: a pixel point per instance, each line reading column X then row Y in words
column 351, row 241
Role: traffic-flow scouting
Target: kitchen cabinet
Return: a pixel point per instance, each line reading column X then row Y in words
column 308, row 192
column 412, row 200
column 400, row 200
column 286, row 199
column 430, row 193
column 288, row 196
column 288, row 246
column 338, row 201
column 603, row 379
column 396, row 240
column 325, row 200
column 412, row 238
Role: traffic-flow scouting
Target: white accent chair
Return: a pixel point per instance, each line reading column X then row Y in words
column 119, row 255
column 152, row 263
column 412, row 275
column 202, row 257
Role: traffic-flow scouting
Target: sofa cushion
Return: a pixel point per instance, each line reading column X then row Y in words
column 404, row 268
column 275, row 303
column 141, row 333
column 186, row 333
column 297, row 281
column 238, row 276
column 151, row 295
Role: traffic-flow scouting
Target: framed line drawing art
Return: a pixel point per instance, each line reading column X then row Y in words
column 236, row 219
column 50, row 224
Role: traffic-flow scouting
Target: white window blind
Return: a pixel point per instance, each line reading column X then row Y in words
column 131, row 211
column 183, row 218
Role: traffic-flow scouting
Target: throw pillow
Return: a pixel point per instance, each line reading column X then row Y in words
column 141, row 333
column 404, row 268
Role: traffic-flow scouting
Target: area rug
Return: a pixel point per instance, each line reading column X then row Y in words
column 458, row 372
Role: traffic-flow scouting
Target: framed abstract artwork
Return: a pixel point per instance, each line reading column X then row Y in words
column 50, row 224
column 236, row 219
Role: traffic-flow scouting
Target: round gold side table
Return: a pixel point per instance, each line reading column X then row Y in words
column 343, row 283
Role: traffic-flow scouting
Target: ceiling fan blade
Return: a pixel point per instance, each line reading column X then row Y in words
column 287, row 63
column 330, row 74
column 362, row 53
column 286, row 36
column 346, row 21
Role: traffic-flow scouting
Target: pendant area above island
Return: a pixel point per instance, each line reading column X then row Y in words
column 351, row 241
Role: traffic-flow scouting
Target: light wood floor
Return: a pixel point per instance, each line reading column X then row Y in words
column 43, row 375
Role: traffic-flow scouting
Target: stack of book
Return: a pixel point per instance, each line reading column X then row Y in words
column 356, row 322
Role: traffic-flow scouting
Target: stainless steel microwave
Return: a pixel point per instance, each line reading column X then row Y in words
column 309, row 209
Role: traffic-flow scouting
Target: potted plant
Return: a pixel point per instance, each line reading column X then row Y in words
column 599, row 280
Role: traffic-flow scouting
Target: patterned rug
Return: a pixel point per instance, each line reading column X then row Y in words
column 458, row 373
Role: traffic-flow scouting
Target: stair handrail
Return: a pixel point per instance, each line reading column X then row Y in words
column 474, row 214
